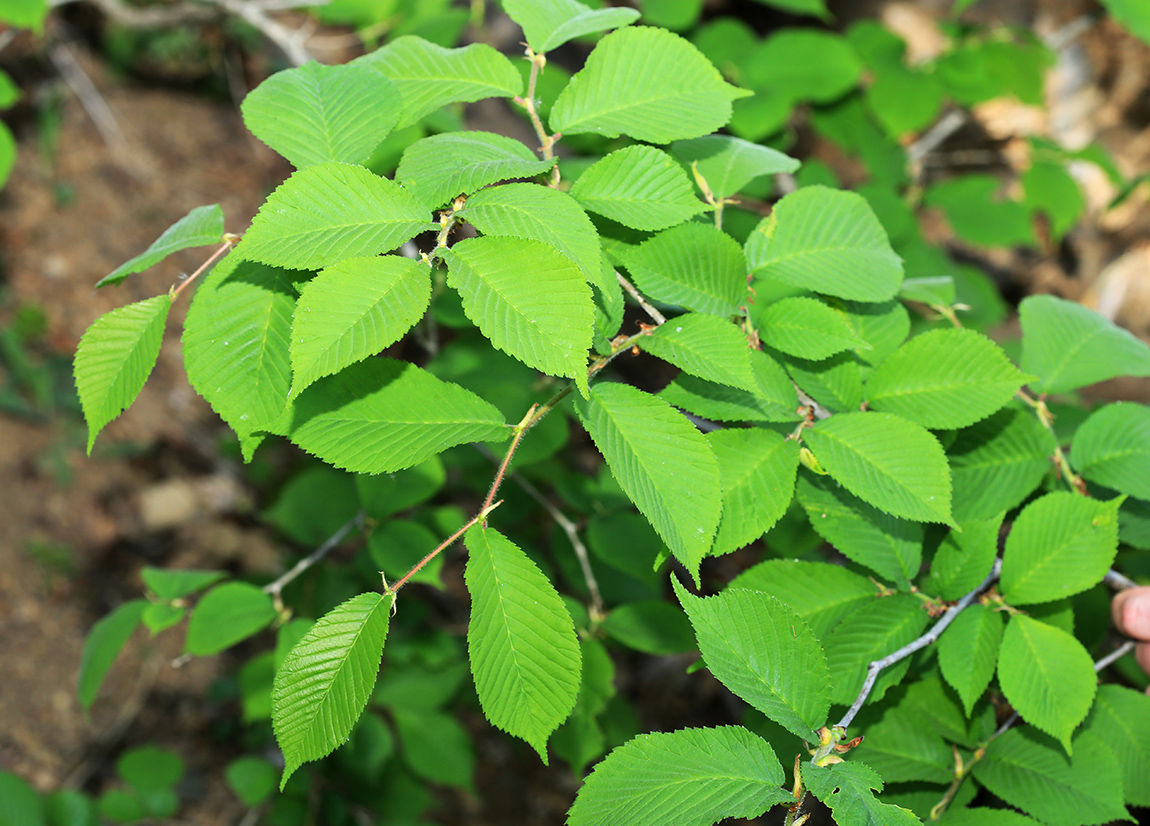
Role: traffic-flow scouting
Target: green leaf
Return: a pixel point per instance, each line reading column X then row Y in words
column 323, row 684
column 429, row 76
column 887, row 462
column 816, row 8
column 150, row 768
column 820, row 593
column 846, row 788
column 548, row 24
column 691, row 265
column 1060, row 545
column 25, row 14
column 1132, row 14
column 1046, row 675
column 945, row 379
column 729, row 164
column 160, row 616
column 1050, row 189
column 980, row 816
column 996, row 463
column 878, row 628
column 783, row 65
column 691, row 777
column 757, row 468
column 227, row 614
column 835, row 382
column 773, row 401
column 639, row 187
column 67, row 807
column 103, row 645
column 1121, row 718
column 905, row 747
column 436, row 747
column 964, row 558
column 651, row 626
column 169, row 584
column 522, row 645
column 650, row 449
column 251, row 779
column 977, row 215
column 202, row 226
column 352, row 310
column 439, row 168
column 646, row 83
column 332, row 211
column 889, row 546
column 236, row 344
column 1112, row 448
column 705, row 346
column 935, row 290
column 542, row 214
column 807, row 328
column 1027, row 769
column 115, row 357
column 968, row 652
column 382, row 415
column 1069, row 346
column 828, row 241
column 760, row 649
column 531, row 301
column 7, row 153
column 19, row 803
column 315, row 113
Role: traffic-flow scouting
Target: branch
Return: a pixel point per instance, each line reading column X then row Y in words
column 275, row 588
column 926, row 639
column 153, row 17
column 290, row 43
column 656, row 316
column 1117, row 581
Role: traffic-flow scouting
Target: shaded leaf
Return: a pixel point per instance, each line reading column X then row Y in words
column 1121, row 718
column 202, row 226
column 651, row 626
column 728, row 164
column 964, row 558
column 773, row 401
column 968, row 652
column 757, row 468
column 169, row 584
column 227, row 614
column 905, row 747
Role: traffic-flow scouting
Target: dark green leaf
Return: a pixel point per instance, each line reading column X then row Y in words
column 226, row 615
column 103, row 645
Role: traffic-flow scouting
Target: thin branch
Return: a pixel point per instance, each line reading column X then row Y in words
column 290, row 43
column 276, row 588
column 479, row 517
column 656, row 316
column 934, row 137
column 152, row 17
column 229, row 239
column 926, row 639
column 1117, row 581
column 1117, row 654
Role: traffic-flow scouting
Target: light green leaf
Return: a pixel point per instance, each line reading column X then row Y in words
column 935, row 290
column 202, row 226
column 115, row 357
column 539, row 213
column 691, row 265
column 646, row 83
column 996, row 463
column 807, row 328
column 878, row 628
column 887, row 462
column 429, row 76
column 1069, row 346
column 773, row 401
column 691, row 777
column 976, row 212
column 1026, row 768
column 441, row 167
column 828, row 241
column 905, row 747
column 25, row 14
column 103, row 645
column 323, row 684
column 352, row 310
column 1060, row 545
column 705, row 346
column 945, row 379
column 816, row 8
column 757, row 468
column 315, row 113
column 236, row 344
column 968, row 652
column 846, row 789
column 7, row 153
column 728, row 164
column 1121, row 718
column 1112, row 448
column 639, row 187
column 1051, row 190
column 522, row 645
column 168, row 584
column 1046, row 675
column 548, row 24
column 160, row 616
column 227, row 614
column 760, row 649
column 332, row 211
column 531, row 301
column 650, row 449
column 964, row 558
column 382, row 415
column 1132, row 14
column 889, row 546
column 820, row 593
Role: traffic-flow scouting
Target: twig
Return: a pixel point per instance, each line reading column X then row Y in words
column 950, row 123
column 276, row 588
column 1117, row 581
column 479, row 517
column 568, row 527
column 656, row 316
column 229, row 239
column 152, row 17
column 290, row 43
column 926, row 639
column 1117, row 654
column 6, row 37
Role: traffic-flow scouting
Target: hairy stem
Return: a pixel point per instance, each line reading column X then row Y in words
column 229, row 240
column 393, row 589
